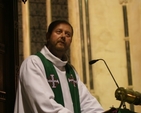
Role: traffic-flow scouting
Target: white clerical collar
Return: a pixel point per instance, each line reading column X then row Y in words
column 55, row 60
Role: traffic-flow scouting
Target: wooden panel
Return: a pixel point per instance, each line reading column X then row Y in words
column 2, row 55
column 8, row 54
column 1, row 22
column 2, row 107
column 2, row 47
column 1, row 71
column 2, row 101
column 2, row 96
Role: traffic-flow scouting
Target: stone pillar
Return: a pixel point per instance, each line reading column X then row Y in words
column 75, row 51
column 134, row 14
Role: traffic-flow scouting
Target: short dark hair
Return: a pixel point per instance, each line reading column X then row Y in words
column 55, row 23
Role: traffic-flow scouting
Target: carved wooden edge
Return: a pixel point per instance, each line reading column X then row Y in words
column 2, row 95
column 1, row 5
column 2, row 48
column 16, row 76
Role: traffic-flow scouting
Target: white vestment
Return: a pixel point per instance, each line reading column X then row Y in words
column 34, row 94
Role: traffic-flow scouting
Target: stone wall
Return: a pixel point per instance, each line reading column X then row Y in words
column 59, row 9
column 38, row 23
column 37, row 11
column 20, row 32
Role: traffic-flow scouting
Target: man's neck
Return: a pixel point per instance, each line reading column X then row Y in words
column 58, row 54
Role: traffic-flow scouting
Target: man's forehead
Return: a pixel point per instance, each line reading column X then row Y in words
column 63, row 26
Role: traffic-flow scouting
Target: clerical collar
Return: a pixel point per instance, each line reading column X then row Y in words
column 55, row 60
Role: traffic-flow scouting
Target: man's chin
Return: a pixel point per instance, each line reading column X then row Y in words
column 60, row 48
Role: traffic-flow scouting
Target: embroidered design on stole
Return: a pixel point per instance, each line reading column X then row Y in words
column 72, row 80
column 52, row 81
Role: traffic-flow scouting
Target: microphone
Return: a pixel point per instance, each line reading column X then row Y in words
column 94, row 61
column 128, row 95
column 122, row 94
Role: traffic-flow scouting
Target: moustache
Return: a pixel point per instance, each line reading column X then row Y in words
column 61, row 41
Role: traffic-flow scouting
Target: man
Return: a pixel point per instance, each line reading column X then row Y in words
column 48, row 83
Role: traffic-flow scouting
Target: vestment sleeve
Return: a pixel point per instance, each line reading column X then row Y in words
column 88, row 103
column 36, row 90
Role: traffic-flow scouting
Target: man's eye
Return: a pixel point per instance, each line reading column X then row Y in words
column 68, row 34
column 58, row 31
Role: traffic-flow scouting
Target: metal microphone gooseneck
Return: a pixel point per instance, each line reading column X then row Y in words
column 94, row 61
column 121, row 97
column 122, row 94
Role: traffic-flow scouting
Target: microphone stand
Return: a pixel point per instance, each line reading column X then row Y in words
column 94, row 61
column 122, row 99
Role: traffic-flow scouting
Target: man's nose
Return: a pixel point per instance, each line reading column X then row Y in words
column 63, row 36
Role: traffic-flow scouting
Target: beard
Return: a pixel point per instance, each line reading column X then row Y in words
column 59, row 46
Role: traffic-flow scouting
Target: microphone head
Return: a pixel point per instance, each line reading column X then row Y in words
column 93, row 61
column 127, row 95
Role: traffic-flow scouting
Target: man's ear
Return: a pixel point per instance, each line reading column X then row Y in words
column 47, row 36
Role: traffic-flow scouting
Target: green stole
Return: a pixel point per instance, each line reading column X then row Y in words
column 54, row 82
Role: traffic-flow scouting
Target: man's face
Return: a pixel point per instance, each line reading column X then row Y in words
column 60, row 38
